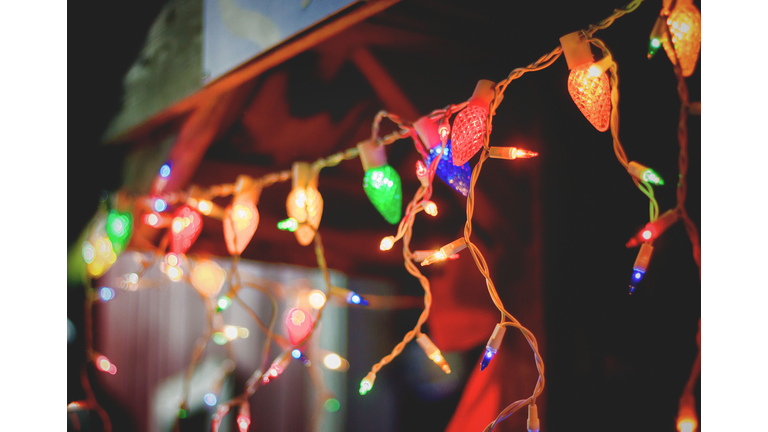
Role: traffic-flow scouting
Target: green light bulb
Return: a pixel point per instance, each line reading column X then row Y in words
column 289, row 224
column 653, row 46
column 365, row 386
column 119, row 228
column 219, row 338
column 384, row 189
column 223, row 303
column 652, row 177
column 332, row 405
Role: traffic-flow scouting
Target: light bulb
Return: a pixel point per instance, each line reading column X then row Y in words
column 592, row 94
column 185, row 228
column 432, row 137
column 430, row 207
column 160, row 205
column 656, row 37
column 151, row 219
column 241, row 218
column 640, row 266
column 209, row 399
column 446, row 251
column 433, row 352
column 165, row 170
column 332, row 361
column 244, row 417
column 289, row 224
column 316, row 299
column 207, row 277
column 381, row 182
column 687, row 420
column 174, row 273
column 103, row 364
column 304, row 203
column 230, row 332
column 367, row 383
column 119, row 228
column 493, row 345
column 356, row 299
column 222, row 303
column 387, row 243
column 644, row 173
column 469, row 126
column 510, row 153
column 299, row 324
column 654, row 229
column 240, row 222
column 685, row 28
column 205, row 207
column 588, row 85
column 296, row 354
column 106, row 294
column 384, row 189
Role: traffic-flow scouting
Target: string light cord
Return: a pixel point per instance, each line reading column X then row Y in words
column 682, row 139
column 621, row 155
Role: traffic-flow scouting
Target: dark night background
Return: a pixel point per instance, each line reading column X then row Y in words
column 613, row 361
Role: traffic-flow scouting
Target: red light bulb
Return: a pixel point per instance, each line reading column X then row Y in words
column 685, row 28
column 185, row 228
column 469, row 125
column 299, row 324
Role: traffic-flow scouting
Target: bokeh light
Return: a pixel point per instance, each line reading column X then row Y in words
column 316, row 299
column 71, row 332
column 332, row 361
column 332, row 405
column 160, row 205
column 209, row 399
column 106, row 293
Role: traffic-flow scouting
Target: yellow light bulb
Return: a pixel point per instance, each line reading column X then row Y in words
column 205, row 207
column 230, row 332
column 430, row 208
column 387, row 243
column 316, row 299
column 332, row 361
column 207, row 277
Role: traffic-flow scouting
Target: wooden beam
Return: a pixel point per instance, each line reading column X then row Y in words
column 384, row 85
column 257, row 66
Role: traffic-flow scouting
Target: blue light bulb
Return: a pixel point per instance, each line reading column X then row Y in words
column 160, row 205
column 106, row 293
column 210, row 399
column 354, row 298
column 457, row 177
column 637, row 276
column 489, row 353
column 296, row 353
column 165, row 170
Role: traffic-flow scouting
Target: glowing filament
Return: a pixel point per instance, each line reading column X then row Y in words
column 365, row 386
column 205, row 207
column 289, row 224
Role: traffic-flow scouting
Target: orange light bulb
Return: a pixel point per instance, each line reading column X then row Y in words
column 240, row 222
column 304, row 203
column 592, row 94
column 685, row 28
column 207, row 277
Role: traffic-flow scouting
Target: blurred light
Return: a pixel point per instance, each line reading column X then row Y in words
column 647, row 234
column 316, row 299
column 332, row 361
column 106, row 293
column 205, row 207
column 174, row 273
column 209, row 399
column 207, row 277
column 88, row 252
column 165, row 170
column 231, row 332
column 112, row 369
column 686, row 425
column 655, row 43
column 182, row 414
column 219, row 338
column 151, row 219
column 103, row 363
column 332, row 405
column 160, row 205
column 172, row 259
column 430, row 208
column 134, row 278
column 289, row 224
column 223, row 302
column 387, row 243
column 243, row 332
column 71, row 332
column 296, row 353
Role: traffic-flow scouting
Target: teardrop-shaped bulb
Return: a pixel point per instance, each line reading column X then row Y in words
column 685, row 27
column 591, row 91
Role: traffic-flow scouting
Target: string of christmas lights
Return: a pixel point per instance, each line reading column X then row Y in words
column 446, row 149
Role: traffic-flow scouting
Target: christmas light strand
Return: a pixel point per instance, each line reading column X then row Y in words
column 642, row 177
